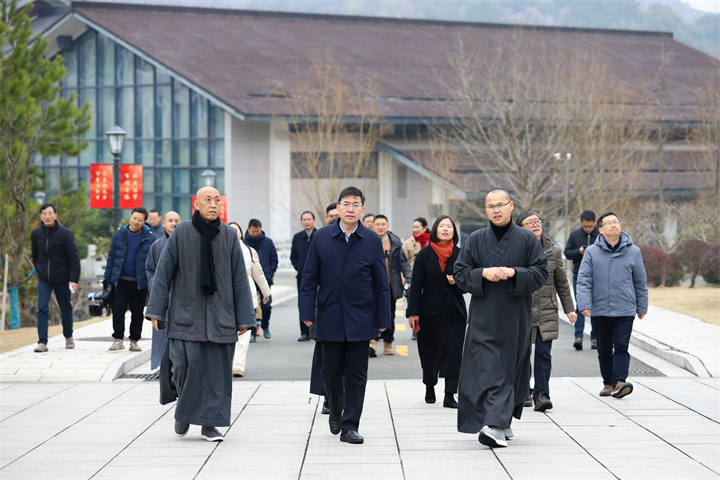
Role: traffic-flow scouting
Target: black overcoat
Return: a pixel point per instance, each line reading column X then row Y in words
column 442, row 313
column 495, row 372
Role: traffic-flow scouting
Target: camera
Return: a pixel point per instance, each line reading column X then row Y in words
column 101, row 300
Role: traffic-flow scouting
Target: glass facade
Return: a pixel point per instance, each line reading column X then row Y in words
column 173, row 132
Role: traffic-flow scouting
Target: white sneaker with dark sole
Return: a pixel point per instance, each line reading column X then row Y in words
column 492, row 437
column 116, row 345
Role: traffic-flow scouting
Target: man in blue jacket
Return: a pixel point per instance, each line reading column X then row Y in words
column 57, row 263
column 265, row 248
column 125, row 271
column 612, row 286
column 575, row 248
column 298, row 255
column 345, row 270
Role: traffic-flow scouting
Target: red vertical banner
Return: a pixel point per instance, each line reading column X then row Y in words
column 131, row 186
column 223, row 207
column 101, row 185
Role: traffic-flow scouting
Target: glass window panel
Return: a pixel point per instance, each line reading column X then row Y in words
column 144, row 112
column 163, row 153
column 89, row 155
column 90, row 95
column 125, row 110
column 163, row 181
column 84, row 176
column 70, row 174
column 124, row 66
column 181, row 153
column 52, row 182
column 162, row 78
column 103, row 151
column 217, row 153
column 144, row 72
column 220, row 181
column 199, row 153
column 70, row 62
column 71, row 161
column 198, row 116
column 128, row 154
column 216, row 122
column 163, row 112
column 167, row 203
column 148, row 186
column 106, row 61
column 88, row 60
column 106, row 110
column 36, row 159
column 181, row 180
column 181, row 111
column 51, row 161
column 144, row 153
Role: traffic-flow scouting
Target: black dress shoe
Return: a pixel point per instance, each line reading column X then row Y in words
column 334, row 422
column 351, row 436
column 326, row 407
column 449, row 401
column 429, row 394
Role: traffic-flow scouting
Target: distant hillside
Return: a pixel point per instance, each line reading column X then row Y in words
column 692, row 27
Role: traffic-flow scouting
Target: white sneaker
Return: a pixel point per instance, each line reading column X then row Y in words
column 116, row 345
column 492, row 437
column 134, row 347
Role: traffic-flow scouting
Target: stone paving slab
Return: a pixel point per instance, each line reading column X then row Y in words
column 118, row 430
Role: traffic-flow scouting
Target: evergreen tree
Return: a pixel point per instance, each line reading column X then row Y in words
column 34, row 119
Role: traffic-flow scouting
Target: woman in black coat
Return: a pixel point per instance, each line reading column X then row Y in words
column 436, row 307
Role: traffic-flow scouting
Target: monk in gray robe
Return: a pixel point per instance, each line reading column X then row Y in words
column 501, row 266
column 211, row 305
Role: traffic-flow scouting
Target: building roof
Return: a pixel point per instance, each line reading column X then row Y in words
column 244, row 59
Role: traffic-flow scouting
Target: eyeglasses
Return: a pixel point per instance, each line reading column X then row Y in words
column 611, row 223
column 532, row 224
column 490, row 208
column 355, row 205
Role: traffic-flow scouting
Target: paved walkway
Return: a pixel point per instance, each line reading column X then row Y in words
column 66, row 414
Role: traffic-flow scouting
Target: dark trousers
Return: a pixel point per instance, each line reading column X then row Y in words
column 542, row 366
column 388, row 335
column 613, row 338
column 127, row 294
column 580, row 323
column 430, row 378
column 344, row 372
column 304, row 329
column 62, row 294
column 266, row 309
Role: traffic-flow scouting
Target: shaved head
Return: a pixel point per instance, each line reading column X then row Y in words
column 207, row 202
column 171, row 219
column 210, row 190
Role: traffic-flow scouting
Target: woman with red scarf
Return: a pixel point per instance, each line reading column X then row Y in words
column 420, row 239
column 436, row 311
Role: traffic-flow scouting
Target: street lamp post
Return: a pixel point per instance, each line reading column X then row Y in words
column 568, row 157
column 209, row 177
column 116, row 137
column 40, row 197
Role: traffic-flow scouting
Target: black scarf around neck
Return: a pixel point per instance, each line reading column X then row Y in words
column 207, row 231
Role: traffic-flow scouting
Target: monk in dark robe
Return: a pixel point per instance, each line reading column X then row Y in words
column 501, row 266
column 210, row 305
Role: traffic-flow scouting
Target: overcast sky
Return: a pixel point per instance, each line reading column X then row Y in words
column 712, row 6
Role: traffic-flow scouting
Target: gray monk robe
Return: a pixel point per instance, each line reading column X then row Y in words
column 495, row 371
column 202, row 329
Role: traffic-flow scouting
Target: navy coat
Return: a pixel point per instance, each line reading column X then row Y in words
column 265, row 248
column 116, row 255
column 350, row 282
column 299, row 250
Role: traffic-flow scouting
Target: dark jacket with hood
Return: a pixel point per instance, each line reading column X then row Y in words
column 267, row 252
column 116, row 255
column 55, row 254
column 578, row 238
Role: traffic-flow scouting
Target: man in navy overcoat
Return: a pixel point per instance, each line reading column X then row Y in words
column 345, row 270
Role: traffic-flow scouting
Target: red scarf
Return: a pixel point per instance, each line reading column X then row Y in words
column 423, row 239
column 443, row 252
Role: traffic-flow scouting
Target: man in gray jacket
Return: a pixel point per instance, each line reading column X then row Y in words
column 612, row 285
column 211, row 304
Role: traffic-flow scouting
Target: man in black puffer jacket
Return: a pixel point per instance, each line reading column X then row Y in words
column 57, row 263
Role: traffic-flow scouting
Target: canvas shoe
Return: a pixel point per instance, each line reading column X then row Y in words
column 492, row 437
column 211, row 434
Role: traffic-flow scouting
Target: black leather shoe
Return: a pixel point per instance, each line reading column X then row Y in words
column 449, row 401
column 351, row 436
column 326, row 407
column 429, row 394
column 542, row 403
column 334, row 422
